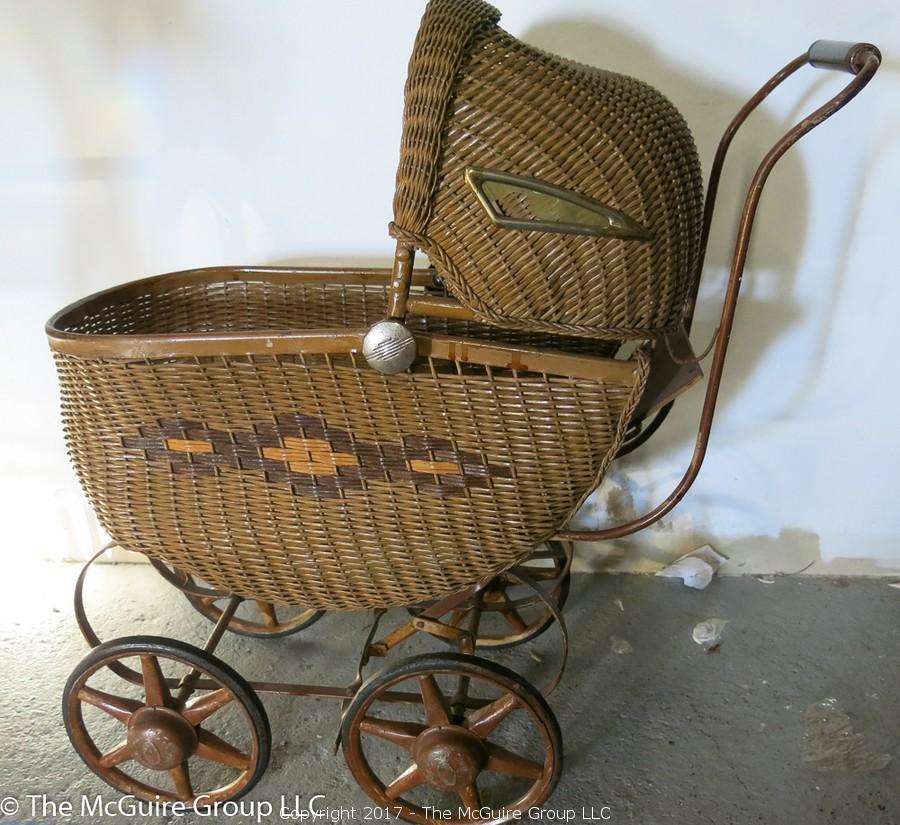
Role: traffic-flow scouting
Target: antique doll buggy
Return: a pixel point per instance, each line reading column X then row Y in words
column 303, row 440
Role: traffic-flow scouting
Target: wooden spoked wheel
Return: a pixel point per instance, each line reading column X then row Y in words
column 510, row 612
column 256, row 618
column 480, row 742
column 150, row 742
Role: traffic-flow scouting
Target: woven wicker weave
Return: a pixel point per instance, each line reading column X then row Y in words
column 477, row 97
column 311, row 479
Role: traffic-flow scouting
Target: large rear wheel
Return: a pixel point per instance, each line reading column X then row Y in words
column 193, row 730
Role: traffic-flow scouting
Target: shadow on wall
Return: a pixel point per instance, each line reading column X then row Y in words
column 769, row 307
column 766, row 310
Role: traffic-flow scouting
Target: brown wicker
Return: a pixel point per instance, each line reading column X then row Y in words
column 305, row 477
column 225, row 422
column 477, row 97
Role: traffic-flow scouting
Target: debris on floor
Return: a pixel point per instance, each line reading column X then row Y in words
column 765, row 579
column 620, row 646
column 709, row 631
column 618, row 603
column 830, row 743
column 895, row 584
column 696, row 569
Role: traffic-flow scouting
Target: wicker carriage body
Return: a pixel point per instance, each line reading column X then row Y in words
column 210, row 434
column 225, row 421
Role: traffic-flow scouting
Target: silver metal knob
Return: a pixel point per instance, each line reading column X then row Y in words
column 389, row 347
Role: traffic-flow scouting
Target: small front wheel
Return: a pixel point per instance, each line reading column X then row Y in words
column 193, row 731
column 481, row 743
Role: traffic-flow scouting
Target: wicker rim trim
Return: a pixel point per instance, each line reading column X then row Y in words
column 445, row 37
column 258, row 342
column 127, row 346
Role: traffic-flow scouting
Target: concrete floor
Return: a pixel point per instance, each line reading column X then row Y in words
column 668, row 733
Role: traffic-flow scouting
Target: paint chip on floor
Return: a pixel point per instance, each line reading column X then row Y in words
column 831, row 744
column 620, row 646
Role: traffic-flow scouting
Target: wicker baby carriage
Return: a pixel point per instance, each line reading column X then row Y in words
column 334, row 439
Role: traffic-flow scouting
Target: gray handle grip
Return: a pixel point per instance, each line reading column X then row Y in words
column 841, row 54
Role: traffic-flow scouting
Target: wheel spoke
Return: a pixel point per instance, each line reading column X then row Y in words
column 205, row 706
column 116, row 706
column 512, row 616
column 485, row 720
column 471, row 798
column 181, row 776
column 399, row 733
column 409, row 779
column 515, row 620
column 433, row 699
column 156, row 691
column 214, row 749
column 119, row 754
column 501, row 760
column 268, row 613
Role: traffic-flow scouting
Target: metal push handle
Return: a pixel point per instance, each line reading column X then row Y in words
column 860, row 59
column 841, row 55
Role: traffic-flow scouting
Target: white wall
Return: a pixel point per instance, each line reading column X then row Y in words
column 143, row 136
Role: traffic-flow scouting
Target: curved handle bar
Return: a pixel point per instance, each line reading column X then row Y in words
column 872, row 59
column 823, row 54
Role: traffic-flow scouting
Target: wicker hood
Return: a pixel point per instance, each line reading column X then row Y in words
column 478, row 99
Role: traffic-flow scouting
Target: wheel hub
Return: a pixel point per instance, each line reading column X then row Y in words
column 160, row 738
column 449, row 756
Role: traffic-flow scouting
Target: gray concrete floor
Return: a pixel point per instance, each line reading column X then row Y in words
column 668, row 733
